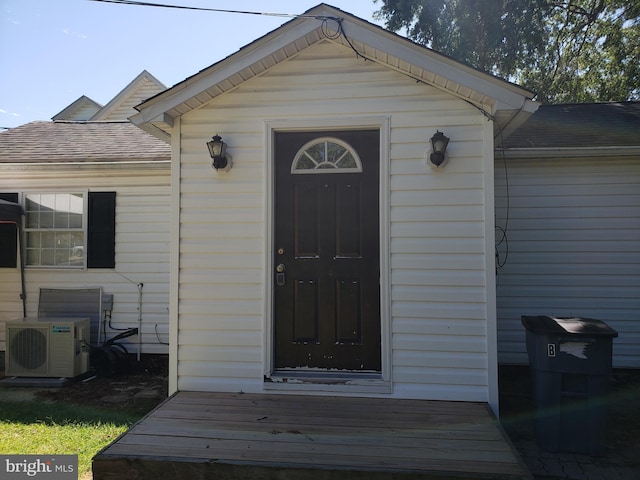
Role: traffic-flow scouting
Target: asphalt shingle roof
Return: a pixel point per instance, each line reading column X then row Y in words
column 51, row 142
column 580, row 125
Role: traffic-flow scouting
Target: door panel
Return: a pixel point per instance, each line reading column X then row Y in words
column 348, row 314
column 327, row 297
column 348, row 226
column 305, row 314
column 306, row 222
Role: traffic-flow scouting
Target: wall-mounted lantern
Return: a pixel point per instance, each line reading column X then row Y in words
column 218, row 152
column 438, row 148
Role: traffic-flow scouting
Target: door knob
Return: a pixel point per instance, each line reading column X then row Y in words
column 280, row 275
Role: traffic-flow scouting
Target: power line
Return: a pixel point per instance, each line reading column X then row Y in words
column 203, row 9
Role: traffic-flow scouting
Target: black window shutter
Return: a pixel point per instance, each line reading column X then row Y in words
column 101, row 235
column 8, row 238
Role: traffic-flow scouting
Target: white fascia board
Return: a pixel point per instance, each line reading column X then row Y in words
column 152, row 127
column 227, row 67
column 507, row 95
column 511, row 120
column 531, row 106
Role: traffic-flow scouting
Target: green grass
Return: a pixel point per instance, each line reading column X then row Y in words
column 35, row 427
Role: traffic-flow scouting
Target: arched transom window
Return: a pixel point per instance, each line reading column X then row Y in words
column 326, row 155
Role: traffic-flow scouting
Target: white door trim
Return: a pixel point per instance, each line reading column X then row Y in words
column 383, row 123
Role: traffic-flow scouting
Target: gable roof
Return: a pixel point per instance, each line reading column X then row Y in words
column 122, row 105
column 82, row 109
column 80, row 142
column 507, row 103
column 580, row 125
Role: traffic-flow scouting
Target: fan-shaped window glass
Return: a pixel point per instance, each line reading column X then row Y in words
column 326, row 155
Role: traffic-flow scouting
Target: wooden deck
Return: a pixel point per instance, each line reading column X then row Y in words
column 258, row 436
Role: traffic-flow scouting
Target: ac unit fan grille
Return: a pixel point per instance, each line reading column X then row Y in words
column 29, row 348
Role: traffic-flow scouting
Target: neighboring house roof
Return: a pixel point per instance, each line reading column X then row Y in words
column 580, row 125
column 121, row 107
column 81, row 110
column 507, row 103
column 83, row 142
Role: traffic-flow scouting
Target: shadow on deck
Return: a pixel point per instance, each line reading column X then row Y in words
column 260, row 436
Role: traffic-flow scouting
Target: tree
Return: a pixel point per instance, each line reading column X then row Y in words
column 564, row 50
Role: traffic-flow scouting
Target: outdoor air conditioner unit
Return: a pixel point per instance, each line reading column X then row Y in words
column 52, row 347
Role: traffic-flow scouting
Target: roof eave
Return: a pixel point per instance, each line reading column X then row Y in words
column 508, row 121
column 375, row 43
column 159, row 127
column 190, row 93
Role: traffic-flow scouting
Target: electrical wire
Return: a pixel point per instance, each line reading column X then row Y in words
column 359, row 54
column 340, row 32
column 158, row 337
column 325, row 28
column 204, row 9
column 503, row 229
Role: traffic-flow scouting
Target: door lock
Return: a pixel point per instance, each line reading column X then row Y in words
column 281, row 278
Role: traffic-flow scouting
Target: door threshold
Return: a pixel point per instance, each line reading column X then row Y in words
column 327, row 381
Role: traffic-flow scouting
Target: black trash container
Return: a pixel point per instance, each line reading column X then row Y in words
column 570, row 361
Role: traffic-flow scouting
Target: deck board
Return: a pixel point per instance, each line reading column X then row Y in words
column 238, row 436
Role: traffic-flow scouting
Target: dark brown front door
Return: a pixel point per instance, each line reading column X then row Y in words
column 327, row 261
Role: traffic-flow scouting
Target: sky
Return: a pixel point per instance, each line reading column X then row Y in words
column 54, row 51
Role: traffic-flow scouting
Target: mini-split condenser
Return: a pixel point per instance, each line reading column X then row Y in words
column 47, row 347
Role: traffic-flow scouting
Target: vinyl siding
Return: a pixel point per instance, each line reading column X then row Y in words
column 437, row 318
column 574, row 248
column 83, row 113
column 123, row 107
column 142, row 252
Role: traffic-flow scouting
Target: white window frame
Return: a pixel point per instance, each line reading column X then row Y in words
column 27, row 230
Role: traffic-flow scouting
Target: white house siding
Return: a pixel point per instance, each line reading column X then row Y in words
column 437, row 250
column 574, row 248
column 142, row 249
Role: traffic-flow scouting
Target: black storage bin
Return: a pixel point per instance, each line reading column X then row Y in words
column 570, row 361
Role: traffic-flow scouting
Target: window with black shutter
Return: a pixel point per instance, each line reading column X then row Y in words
column 8, row 238
column 101, row 225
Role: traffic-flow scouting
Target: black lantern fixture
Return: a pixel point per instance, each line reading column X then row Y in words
column 218, row 152
column 438, row 148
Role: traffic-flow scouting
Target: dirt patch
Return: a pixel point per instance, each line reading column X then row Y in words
column 139, row 389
